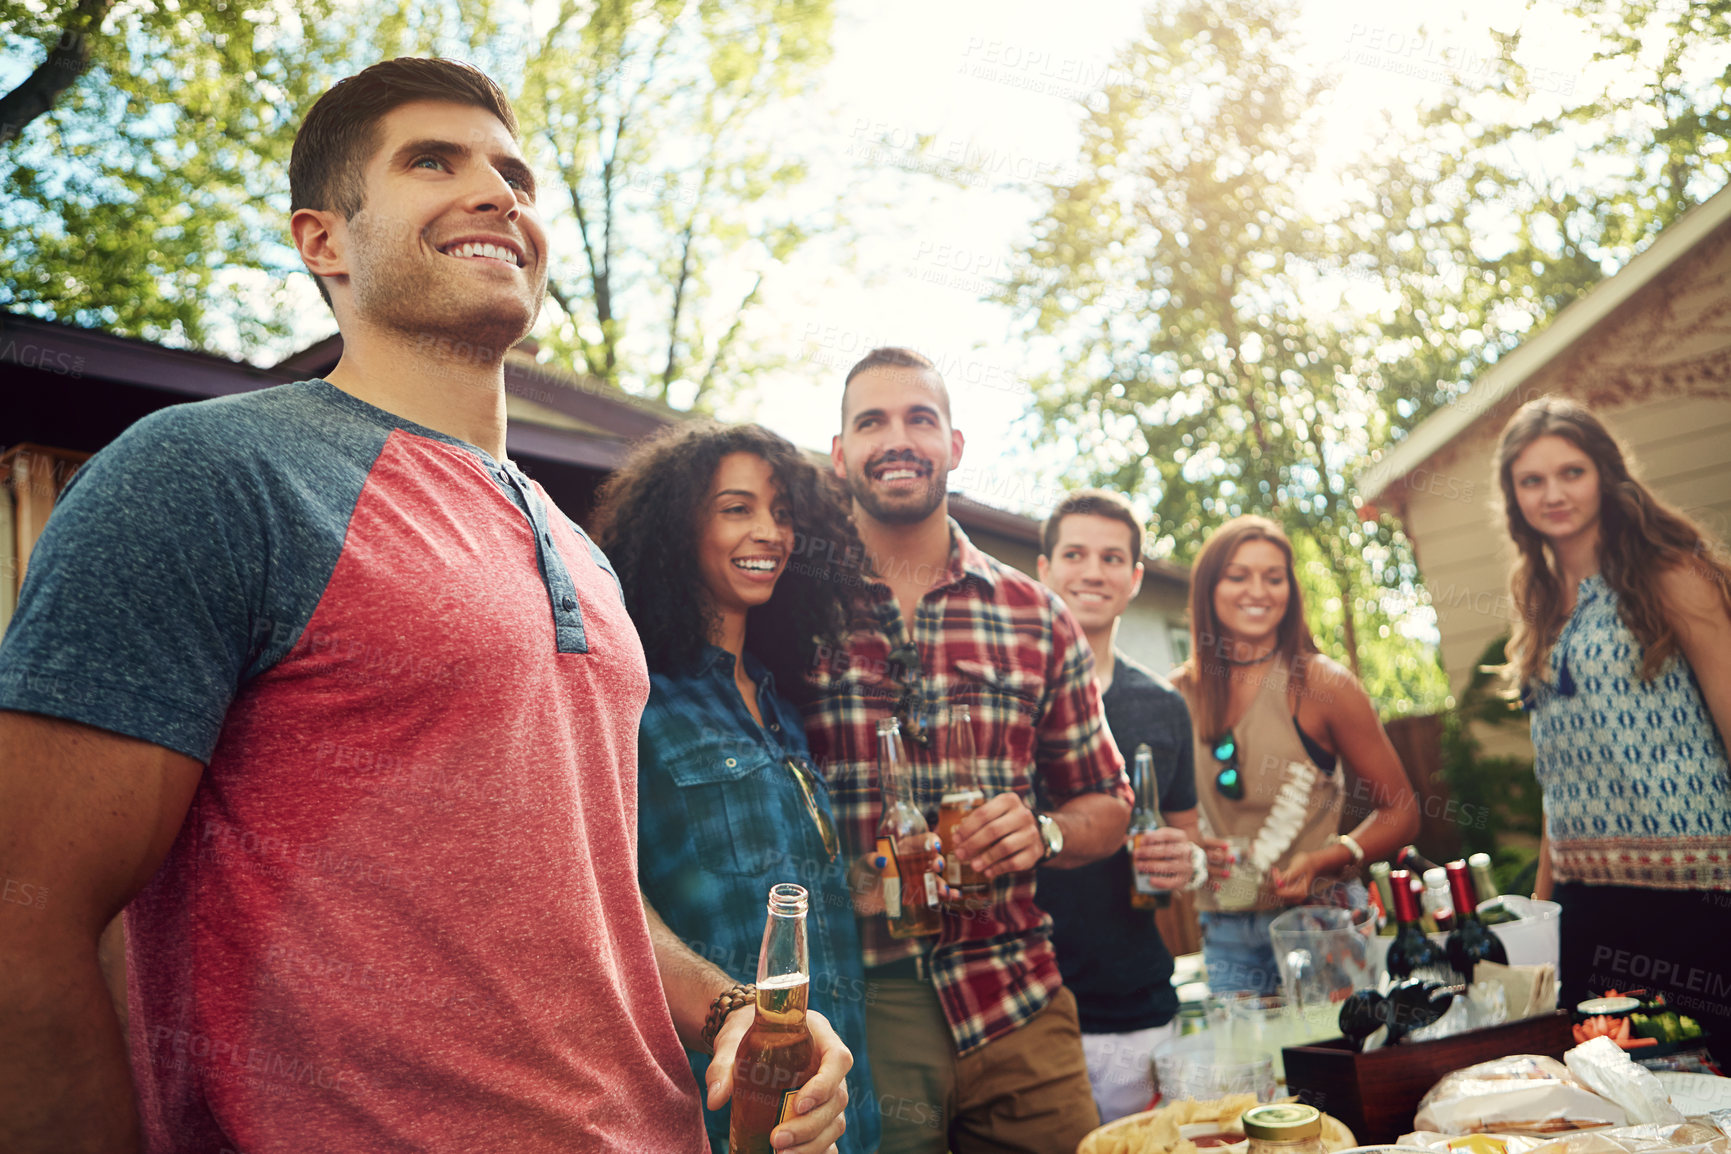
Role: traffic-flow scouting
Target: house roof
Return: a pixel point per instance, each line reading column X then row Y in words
column 1513, row 369
column 554, row 414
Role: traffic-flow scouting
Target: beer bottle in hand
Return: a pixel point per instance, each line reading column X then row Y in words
column 777, row 1055
column 962, row 795
column 904, row 840
column 1144, row 895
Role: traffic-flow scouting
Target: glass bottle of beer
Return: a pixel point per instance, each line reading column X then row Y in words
column 904, row 840
column 777, row 1055
column 962, row 795
column 1144, row 818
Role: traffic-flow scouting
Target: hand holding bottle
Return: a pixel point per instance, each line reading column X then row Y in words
column 1163, row 857
column 818, row 1108
column 1000, row 837
column 865, row 878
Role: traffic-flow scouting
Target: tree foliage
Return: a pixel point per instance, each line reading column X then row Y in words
column 130, row 201
column 665, row 122
column 1174, row 293
column 1520, row 197
column 152, row 198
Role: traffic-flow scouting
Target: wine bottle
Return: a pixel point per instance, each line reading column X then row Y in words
column 1470, row 942
column 1417, row 1004
column 1384, row 893
column 1412, row 954
column 1362, row 1014
column 1493, row 911
column 1411, row 860
column 1483, row 885
column 1436, row 912
column 1144, row 818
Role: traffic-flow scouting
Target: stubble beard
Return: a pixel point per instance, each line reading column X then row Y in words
column 409, row 298
column 859, row 487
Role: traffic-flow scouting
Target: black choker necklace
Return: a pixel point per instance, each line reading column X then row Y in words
column 1253, row 660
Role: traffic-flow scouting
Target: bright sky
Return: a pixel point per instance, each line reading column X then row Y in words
column 991, row 88
column 996, row 82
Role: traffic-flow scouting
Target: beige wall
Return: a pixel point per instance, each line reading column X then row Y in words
column 1658, row 372
column 1682, row 450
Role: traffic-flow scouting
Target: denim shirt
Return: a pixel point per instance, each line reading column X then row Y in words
column 721, row 817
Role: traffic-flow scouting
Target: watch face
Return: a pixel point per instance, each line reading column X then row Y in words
column 1051, row 836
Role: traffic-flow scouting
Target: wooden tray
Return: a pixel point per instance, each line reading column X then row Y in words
column 1377, row 1093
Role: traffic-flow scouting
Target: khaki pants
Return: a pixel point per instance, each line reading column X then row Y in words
column 1026, row 1093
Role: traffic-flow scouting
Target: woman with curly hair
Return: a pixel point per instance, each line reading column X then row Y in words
column 1621, row 648
column 1273, row 718
column 737, row 562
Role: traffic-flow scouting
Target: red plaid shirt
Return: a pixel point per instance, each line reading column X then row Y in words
column 1006, row 645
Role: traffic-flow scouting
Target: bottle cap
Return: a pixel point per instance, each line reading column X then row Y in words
column 1479, row 861
column 1284, row 1122
column 1436, row 878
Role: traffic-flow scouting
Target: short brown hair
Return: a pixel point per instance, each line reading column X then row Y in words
column 342, row 130
column 892, row 356
column 1093, row 503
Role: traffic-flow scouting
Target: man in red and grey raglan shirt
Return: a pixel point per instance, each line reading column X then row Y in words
column 975, row 1036
column 345, row 708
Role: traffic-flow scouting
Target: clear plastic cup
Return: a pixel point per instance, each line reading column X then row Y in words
column 1203, row 1067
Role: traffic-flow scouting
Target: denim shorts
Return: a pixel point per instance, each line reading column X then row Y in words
column 1237, row 952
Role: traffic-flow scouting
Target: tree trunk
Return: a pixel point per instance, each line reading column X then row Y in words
column 66, row 61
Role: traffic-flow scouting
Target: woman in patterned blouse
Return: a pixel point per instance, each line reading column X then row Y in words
column 1622, row 650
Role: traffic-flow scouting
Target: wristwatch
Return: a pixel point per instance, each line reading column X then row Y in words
column 1050, row 835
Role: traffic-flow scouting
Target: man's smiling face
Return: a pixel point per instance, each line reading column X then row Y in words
column 448, row 241
column 896, row 447
column 1092, row 569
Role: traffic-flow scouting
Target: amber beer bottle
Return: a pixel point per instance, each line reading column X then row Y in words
column 962, row 795
column 777, row 1056
column 904, row 840
column 1145, row 817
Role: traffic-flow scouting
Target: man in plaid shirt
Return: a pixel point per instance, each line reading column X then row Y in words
column 973, row 1038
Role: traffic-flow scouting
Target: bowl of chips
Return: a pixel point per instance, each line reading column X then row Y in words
column 1162, row 1131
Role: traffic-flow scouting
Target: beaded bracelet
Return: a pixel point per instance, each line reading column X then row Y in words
column 725, row 1003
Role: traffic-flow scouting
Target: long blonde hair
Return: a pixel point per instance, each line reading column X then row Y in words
column 1640, row 537
column 1209, row 669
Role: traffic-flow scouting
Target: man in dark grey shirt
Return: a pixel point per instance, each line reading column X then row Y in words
column 1110, row 953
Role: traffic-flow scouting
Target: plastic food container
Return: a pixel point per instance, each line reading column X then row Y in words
column 1537, row 937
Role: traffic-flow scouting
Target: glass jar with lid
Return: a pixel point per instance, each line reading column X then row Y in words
column 1284, row 1128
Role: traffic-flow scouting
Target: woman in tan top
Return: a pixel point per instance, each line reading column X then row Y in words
column 1273, row 719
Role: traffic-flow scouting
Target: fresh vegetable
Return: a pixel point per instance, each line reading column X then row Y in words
column 1603, row 1026
column 1619, row 1030
column 1665, row 1026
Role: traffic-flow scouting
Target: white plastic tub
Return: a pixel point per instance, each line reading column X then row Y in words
column 1537, row 937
